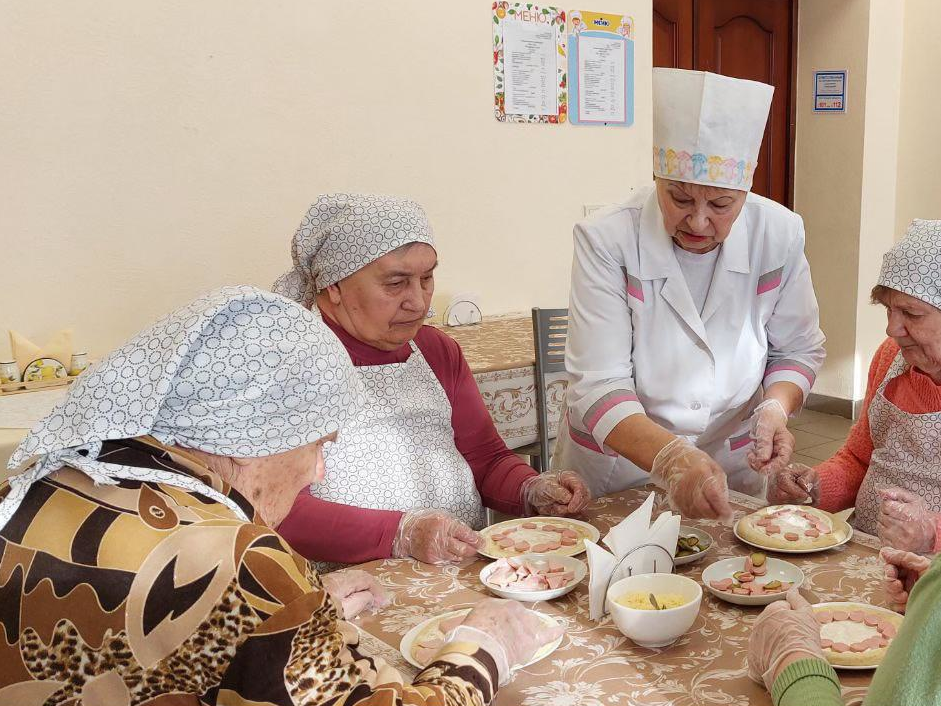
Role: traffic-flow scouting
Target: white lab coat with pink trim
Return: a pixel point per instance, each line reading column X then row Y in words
column 638, row 344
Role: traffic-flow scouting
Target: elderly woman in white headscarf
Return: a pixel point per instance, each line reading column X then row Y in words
column 415, row 468
column 137, row 560
column 889, row 469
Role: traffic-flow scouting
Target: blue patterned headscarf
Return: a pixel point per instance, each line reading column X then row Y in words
column 239, row 372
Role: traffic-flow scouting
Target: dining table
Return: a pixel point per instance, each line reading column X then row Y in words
column 595, row 664
column 500, row 353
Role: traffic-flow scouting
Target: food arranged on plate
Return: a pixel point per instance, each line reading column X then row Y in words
column 752, row 580
column 540, row 535
column 528, row 574
column 747, row 581
column 855, row 635
column 422, row 642
column 794, row 528
column 691, row 545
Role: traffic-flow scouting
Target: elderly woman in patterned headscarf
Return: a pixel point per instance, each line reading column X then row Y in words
column 890, row 466
column 415, row 468
column 137, row 560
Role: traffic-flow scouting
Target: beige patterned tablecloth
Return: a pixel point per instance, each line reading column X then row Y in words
column 596, row 665
column 499, row 351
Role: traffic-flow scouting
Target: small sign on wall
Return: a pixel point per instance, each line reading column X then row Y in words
column 830, row 91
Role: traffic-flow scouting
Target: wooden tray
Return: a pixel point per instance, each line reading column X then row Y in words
column 15, row 388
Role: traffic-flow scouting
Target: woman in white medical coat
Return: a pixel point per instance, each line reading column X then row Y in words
column 693, row 326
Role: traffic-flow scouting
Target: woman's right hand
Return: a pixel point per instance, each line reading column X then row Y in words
column 434, row 537
column 902, row 571
column 520, row 632
column 793, row 484
column 696, row 485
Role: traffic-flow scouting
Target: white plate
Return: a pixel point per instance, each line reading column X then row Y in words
column 570, row 564
column 778, row 550
column 844, row 605
column 777, row 569
column 574, row 550
column 405, row 647
column 704, row 538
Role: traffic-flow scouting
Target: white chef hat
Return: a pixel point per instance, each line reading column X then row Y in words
column 707, row 128
column 342, row 233
column 913, row 265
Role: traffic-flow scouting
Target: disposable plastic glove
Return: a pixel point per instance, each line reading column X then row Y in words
column 793, row 484
column 434, row 537
column 905, row 522
column 556, row 493
column 518, row 631
column 355, row 591
column 902, row 571
column 695, row 485
column 785, row 631
column 774, row 444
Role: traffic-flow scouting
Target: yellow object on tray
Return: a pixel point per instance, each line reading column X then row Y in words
column 641, row 601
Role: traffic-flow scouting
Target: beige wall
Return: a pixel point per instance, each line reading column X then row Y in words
column 154, row 150
column 832, row 34
column 919, row 150
column 880, row 158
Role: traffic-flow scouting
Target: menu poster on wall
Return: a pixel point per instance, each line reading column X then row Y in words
column 529, row 63
column 601, row 64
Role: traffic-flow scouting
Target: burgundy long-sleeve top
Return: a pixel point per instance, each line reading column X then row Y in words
column 327, row 531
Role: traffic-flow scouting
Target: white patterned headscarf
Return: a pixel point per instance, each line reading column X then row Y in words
column 913, row 265
column 342, row 233
column 238, row 372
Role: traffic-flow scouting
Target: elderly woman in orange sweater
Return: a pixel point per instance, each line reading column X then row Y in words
column 890, row 466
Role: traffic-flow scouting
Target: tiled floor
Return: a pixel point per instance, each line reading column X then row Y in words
column 818, row 436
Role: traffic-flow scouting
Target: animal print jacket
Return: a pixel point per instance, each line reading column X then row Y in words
column 142, row 593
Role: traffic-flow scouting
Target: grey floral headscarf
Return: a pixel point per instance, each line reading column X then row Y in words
column 342, row 233
column 913, row 265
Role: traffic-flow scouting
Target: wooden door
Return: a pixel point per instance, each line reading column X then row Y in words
column 747, row 39
column 673, row 33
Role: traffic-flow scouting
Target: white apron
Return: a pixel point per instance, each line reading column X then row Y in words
column 398, row 453
column 906, row 453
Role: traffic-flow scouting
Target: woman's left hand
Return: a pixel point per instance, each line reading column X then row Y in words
column 354, row 591
column 555, row 493
column 774, row 443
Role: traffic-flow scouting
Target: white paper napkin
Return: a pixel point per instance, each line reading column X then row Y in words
column 626, row 538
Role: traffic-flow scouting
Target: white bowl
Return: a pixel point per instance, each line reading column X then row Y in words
column 570, row 564
column 777, row 569
column 655, row 628
column 704, row 538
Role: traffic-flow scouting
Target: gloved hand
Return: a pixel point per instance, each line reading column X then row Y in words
column 774, row 444
column 354, row 591
column 902, row 571
column 556, row 493
column 905, row 522
column 792, row 484
column 696, row 485
column 786, row 631
column 434, row 537
column 520, row 632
